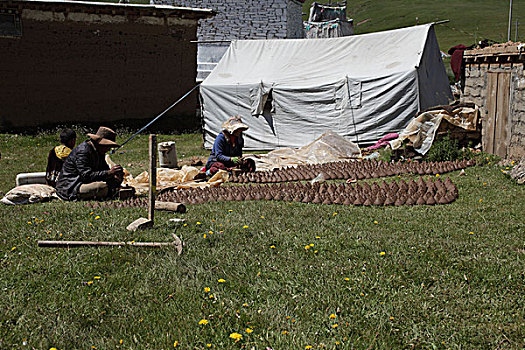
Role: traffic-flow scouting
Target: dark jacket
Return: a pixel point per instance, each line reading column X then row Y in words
column 84, row 165
column 54, row 166
column 223, row 151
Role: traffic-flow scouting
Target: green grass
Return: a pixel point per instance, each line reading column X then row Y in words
column 437, row 285
column 470, row 20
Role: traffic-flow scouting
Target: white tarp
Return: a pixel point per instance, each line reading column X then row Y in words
column 361, row 87
column 330, row 147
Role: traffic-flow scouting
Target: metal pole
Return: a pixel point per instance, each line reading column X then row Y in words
column 516, row 35
column 510, row 20
column 152, row 176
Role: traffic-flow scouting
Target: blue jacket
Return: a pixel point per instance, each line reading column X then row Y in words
column 223, row 151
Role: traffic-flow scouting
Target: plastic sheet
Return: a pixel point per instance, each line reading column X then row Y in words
column 329, row 147
column 183, row 178
column 421, row 131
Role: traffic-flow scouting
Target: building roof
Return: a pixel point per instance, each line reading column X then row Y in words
column 508, row 48
column 114, row 8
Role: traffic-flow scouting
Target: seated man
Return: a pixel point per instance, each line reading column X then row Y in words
column 227, row 149
column 57, row 156
column 85, row 174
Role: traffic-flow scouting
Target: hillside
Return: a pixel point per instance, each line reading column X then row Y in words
column 470, row 20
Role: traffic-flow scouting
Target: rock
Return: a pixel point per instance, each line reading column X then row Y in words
column 140, row 224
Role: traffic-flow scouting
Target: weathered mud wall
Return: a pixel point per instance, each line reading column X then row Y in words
column 97, row 68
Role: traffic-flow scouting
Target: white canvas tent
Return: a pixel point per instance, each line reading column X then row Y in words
column 291, row 91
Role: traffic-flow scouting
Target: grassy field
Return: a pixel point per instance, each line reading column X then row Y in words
column 470, row 20
column 441, row 277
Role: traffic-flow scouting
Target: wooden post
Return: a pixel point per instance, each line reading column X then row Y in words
column 152, row 176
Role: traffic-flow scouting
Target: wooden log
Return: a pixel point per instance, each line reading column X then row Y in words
column 152, row 176
column 170, row 206
column 75, row 244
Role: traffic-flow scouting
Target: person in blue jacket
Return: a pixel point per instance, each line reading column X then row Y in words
column 227, row 148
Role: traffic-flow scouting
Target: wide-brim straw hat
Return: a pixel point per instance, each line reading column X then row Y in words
column 105, row 137
column 234, row 123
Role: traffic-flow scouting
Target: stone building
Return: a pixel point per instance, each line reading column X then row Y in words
column 89, row 62
column 240, row 20
column 495, row 81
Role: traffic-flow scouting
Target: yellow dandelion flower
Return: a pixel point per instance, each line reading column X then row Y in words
column 90, row 224
column 203, row 322
column 471, row 233
column 52, row 348
column 288, row 317
column 307, row 347
column 198, row 223
column 332, row 316
column 229, row 210
column 317, row 237
column 245, row 304
column 97, row 217
column 481, row 200
column 245, row 226
column 316, row 251
column 285, row 332
column 293, row 320
column 236, row 336
column 437, row 175
column 221, row 280
column 13, row 248
column 176, row 343
column 382, row 253
column 262, row 216
column 206, row 289
column 337, row 343
column 208, row 345
column 210, row 232
column 272, row 246
column 391, row 318
column 211, row 296
column 347, row 279
column 375, row 222
column 249, row 330
column 334, row 214
column 204, row 236
column 90, row 283
column 306, row 247
column 29, row 222
column 311, row 244
column 185, row 225
column 121, row 341
column 96, row 277
column 335, row 325
column 484, row 184
column 91, row 213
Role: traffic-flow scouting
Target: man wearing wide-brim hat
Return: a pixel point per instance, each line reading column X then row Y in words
column 226, row 152
column 85, row 174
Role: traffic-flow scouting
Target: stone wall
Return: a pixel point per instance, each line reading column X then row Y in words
column 68, row 68
column 241, row 20
column 247, row 19
column 476, row 91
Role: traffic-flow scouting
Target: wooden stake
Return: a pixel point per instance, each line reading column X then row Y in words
column 73, row 244
column 152, row 176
